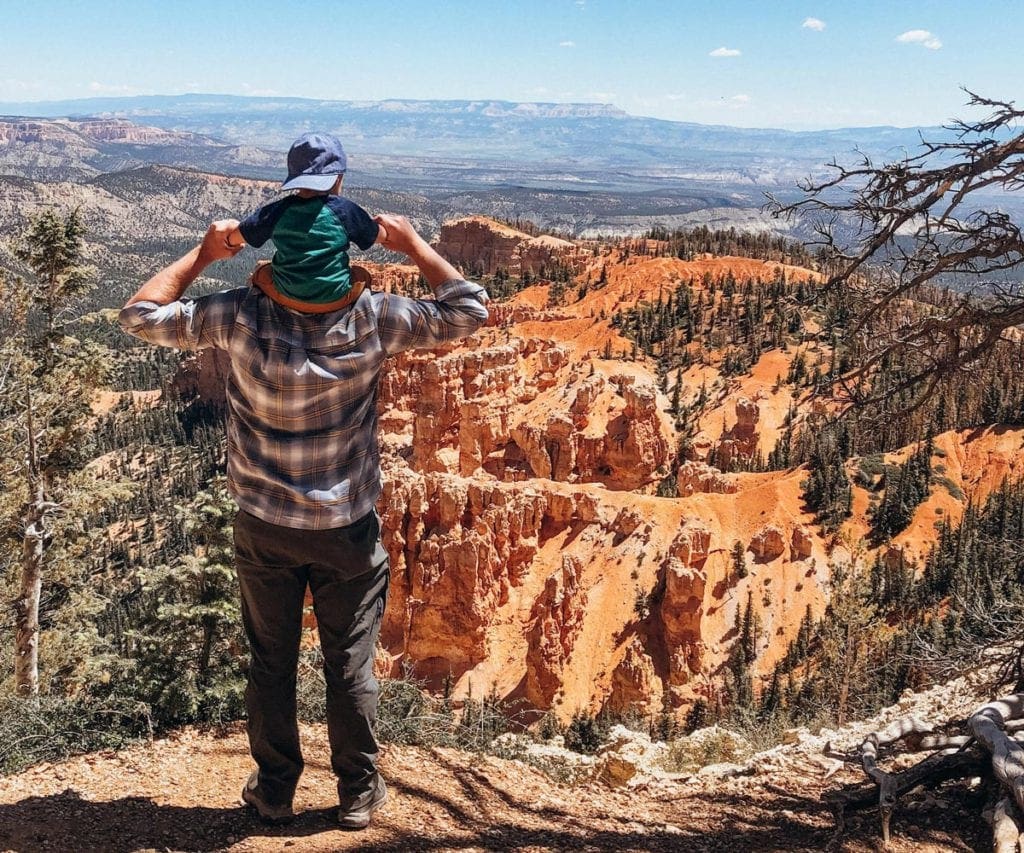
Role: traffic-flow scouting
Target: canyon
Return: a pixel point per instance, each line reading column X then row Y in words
column 535, row 553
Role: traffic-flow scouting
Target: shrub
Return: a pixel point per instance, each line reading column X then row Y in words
column 688, row 754
column 950, row 487
column 311, row 689
column 49, row 728
column 585, row 733
column 871, row 466
column 548, row 727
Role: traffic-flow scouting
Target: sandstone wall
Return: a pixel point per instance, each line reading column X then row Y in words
column 528, row 549
column 483, row 246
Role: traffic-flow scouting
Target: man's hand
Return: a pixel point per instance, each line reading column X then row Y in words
column 218, row 242
column 173, row 280
column 400, row 236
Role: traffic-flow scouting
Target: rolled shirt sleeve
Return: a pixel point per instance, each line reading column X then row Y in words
column 458, row 309
column 188, row 324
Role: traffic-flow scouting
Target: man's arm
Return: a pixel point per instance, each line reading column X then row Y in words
column 170, row 284
column 158, row 315
column 400, row 236
column 458, row 309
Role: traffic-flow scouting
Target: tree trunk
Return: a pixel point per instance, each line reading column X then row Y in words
column 26, row 607
column 206, row 650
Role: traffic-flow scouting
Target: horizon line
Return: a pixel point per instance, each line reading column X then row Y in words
column 624, row 113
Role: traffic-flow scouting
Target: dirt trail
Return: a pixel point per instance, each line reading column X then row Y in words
column 181, row 794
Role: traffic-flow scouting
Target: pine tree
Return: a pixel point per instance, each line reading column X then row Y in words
column 48, row 382
column 739, row 560
column 827, row 488
column 187, row 644
column 697, row 717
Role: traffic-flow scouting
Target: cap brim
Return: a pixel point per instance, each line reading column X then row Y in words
column 320, row 183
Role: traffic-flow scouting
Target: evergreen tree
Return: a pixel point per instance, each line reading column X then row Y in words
column 48, row 382
column 906, row 487
column 189, row 640
column 697, row 717
column 827, row 488
column 739, row 560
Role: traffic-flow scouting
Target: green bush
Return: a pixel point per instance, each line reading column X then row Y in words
column 950, row 487
column 586, row 733
column 686, row 755
column 48, row 728
column 311, row 689
column 548, row 727
column 871, row 466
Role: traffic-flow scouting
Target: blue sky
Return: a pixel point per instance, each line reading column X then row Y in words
column 808, row 64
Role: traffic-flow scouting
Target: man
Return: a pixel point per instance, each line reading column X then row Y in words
column 303, row 465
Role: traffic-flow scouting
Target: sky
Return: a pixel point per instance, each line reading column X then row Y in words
column 747, row 63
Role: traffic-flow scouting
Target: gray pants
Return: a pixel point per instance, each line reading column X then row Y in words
column 346, row 569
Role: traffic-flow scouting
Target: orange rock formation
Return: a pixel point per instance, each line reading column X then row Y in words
column 530, row 553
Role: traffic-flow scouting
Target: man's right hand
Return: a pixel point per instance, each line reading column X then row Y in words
column 170, row 283
column 216, row 245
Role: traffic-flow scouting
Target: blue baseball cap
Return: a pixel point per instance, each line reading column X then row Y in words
column 314, row 162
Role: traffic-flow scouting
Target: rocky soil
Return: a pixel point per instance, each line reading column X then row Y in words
column 181, row 794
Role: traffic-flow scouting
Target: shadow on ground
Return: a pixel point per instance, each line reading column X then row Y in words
column 478, row 814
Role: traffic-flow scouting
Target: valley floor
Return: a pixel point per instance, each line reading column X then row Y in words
column 181, row 793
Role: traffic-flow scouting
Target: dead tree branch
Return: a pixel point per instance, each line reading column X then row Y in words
column 983, row 749
column 923, row 251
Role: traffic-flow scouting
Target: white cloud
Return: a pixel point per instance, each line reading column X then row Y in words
column 602, row 96
column 921, row 37
column 740, row 100
column 567, row 44
column 813, row 24
column 259, row 92
column 105, row 89
column 582, row 4
column 675, row 97
column 725, row 51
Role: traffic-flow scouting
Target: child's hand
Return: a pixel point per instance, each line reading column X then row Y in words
column 234, row 237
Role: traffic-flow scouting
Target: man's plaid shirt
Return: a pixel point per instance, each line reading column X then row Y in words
column 302, row 389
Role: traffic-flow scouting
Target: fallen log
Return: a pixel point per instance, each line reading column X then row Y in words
column 933, row 770
column 1006, row 831
column 993, row 748
column 988, row 725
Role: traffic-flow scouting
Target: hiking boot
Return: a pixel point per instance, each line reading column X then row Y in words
column 355, row 812
column 253, row 796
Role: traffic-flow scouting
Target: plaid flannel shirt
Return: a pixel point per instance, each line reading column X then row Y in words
column 302, row 388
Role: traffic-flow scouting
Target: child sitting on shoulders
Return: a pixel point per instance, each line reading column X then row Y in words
column 311, row 229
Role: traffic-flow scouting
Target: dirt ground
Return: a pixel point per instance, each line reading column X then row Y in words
column 182, row 794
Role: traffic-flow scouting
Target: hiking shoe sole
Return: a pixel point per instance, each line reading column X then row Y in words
column 269, row 814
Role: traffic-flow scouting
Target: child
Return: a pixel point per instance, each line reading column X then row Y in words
column 311, row 229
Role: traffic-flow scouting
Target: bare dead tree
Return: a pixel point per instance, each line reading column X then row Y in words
column 986, row 744
column 925, row 255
